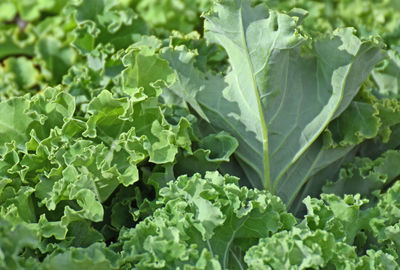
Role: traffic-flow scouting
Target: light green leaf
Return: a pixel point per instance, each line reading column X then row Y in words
column 15, row 240
column 387, row 75
column 94, row 257
column 357, row 123
column 14, row 122
column 295, row 249
column 25, row 74
column 145, row 69
column 219, row 217
column 7, row 11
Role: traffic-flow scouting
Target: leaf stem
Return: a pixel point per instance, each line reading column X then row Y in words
column 267, row 177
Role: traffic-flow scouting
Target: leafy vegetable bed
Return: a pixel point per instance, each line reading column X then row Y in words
column 187, row 134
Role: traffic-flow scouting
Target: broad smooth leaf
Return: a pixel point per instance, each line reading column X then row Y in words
column 280, row 94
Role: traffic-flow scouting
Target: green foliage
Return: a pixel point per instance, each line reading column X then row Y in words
column 336, row 233
column 208, row 217
column 119, row 118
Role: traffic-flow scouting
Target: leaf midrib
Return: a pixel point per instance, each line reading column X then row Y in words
column 264, row 128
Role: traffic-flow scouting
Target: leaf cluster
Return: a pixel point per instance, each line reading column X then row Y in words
column 181, row 134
